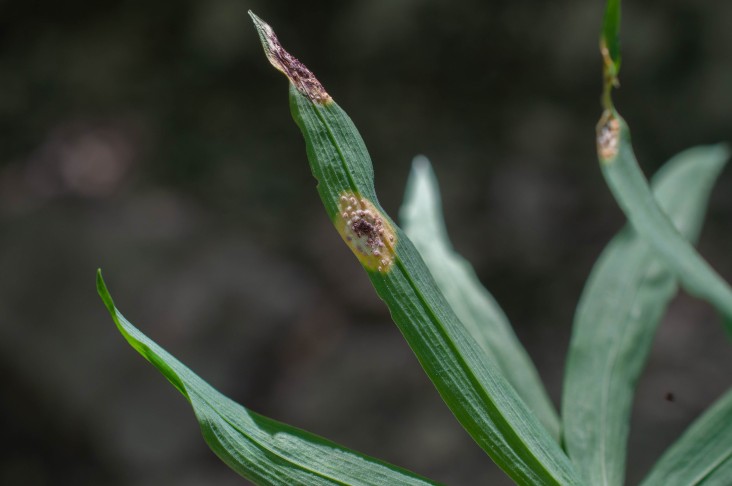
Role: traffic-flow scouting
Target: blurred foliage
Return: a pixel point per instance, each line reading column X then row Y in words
column 140, row 136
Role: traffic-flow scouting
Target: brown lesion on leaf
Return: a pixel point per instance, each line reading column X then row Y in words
column 608, row 136
column 366, row 231
column 300, row 76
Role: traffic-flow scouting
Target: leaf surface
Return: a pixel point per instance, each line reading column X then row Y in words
column 631, row 191
column 473, row 387
column 475, row 307
column 618, row 314
column 260, row 449
column 610, row 38
column 702, row 455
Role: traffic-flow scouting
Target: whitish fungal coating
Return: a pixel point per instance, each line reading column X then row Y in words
column 300, row 76
column 608, row 136
column 367, row 232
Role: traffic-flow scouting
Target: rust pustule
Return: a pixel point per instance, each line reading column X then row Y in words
column 363, row 228
column 608, row 136
column 366, row 231
column 300, row 76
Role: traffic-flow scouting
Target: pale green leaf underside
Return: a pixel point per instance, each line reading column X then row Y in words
column 617, row 317
column 633, row 195
column 262, row 450
column 703, row 454
column 421, row 214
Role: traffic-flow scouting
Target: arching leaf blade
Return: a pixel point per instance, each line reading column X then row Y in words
column 475, row 307
column 618, row 314
column 630, row 189
column 473, row 388
column 260, row 449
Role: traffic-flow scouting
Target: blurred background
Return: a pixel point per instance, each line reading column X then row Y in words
column 154, row 140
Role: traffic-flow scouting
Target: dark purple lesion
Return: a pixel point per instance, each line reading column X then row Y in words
column 302, row 78
column 299, row 75
column 366, row 231
column 363, row 228
column 371, row 232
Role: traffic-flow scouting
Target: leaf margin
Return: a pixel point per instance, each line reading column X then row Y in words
column 423, row 220
column 178, row 375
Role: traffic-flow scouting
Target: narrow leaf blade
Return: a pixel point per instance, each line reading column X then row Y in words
column 617, row 317
column 475, row 307
column 611, row 34
column 260, row 449
column 473, row 388
column 610, row 50
column 631, row 191
column 703, row 454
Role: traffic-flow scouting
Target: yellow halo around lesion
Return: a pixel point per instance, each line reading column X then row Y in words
column 366, row 231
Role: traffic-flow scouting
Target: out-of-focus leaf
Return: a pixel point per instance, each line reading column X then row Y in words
column 421, row 215
column 474, row 388
column 631, row 191
column 703, row 454
column 610, row 50
column 611, row 33
column 617, row 317
column 260, row 449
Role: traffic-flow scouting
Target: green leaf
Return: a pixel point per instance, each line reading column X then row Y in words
column 611, row 33
column 421, row 214
column 475, row 390
column 260, row 449
column 703, row 454
column 617, row 317
column 631, row 191
column 610, row 50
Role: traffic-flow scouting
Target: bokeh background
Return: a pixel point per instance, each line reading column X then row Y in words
column 153, row 139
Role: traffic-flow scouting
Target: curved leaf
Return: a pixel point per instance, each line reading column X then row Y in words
column 260, row 449
column 630, row 188
column 617, row 317
column 703, row 454
column 475, row 390
column 421, row 214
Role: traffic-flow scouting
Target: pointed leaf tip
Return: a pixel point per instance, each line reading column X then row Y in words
column 260, row 449
column 299, row 75
column 104, row 293
column 421, row 163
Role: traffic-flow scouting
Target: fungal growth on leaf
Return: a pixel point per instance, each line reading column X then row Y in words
column 366, row 232
column 608, row 136
column 300, row 76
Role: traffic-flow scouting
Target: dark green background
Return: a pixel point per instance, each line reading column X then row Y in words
column 154, row 140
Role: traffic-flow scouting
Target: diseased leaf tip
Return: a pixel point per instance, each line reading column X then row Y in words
column 608, row 136
column 299, row 75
